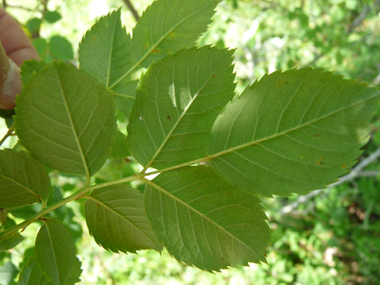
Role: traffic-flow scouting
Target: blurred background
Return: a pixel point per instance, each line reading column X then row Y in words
column 325, row 237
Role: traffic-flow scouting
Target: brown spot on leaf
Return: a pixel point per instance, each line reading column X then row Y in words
column 317, row 135
column 168, row 117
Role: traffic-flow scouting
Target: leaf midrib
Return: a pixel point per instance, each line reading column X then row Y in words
column 110, row 54
column 73, row 126
column 187, row 206
column 233, row 149
column 118, row 214
column 52, row 249
column 153, row 47
column 22, row 186
column 184, row 112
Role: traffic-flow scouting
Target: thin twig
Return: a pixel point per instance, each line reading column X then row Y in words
column 132, row 9
column 5, row 5
column 359, row 19
column 355, row 172
column 8, row 134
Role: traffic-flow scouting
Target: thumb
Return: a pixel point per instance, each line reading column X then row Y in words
column 15, row 48
column 10, row 81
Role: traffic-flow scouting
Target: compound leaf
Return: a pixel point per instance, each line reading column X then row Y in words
column 55, row 252
column 116, row 218
column 23, row 180
column 204, row 221
column 66, row 119
column 292, row 132
column 177, row 102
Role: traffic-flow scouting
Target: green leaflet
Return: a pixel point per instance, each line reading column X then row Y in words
column 11, row 241
column 23, row 180
column 60, row 48
column 168, row 26
column 31, row 67
column 66, row 119
column 120, row 146
column 31, row 274
column 125, row 96
column 8, row 272
column 116, row 218
column 55, row 252
column 204, row 221
column 292, row 132
column 177, row 102
column 106, row 51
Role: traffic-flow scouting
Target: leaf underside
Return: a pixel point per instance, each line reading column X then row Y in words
column 55, row 252
column 116, row 218
column 66, row 119
column 108, row 52
column 31, row 274
column 292, row 132
column 168, row 26
column 23, row 180
column 204, row 221
column 177, row 101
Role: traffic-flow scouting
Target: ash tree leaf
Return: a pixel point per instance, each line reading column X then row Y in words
column 116, row 218
column 23, row 180
column 292, row 132
column 10, row 241
column 66, row 119
column 31, row 274
column 120, row 148
column 204, row 221
column 55, row 252
column 177, row 102
column 167, row 26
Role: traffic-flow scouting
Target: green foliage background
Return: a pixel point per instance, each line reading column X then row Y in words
column 330, row 238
